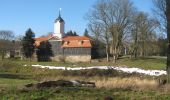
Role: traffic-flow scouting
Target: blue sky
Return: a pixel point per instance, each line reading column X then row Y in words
column 39, row 15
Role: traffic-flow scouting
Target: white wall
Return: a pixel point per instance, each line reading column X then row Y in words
column 59, row 29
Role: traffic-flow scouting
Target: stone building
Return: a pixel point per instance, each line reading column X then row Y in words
column 67, row 48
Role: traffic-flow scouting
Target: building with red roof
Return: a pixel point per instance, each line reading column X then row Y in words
column 76, row 42
column 68, row 48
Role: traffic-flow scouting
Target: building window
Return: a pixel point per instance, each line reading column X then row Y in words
column 81, row 42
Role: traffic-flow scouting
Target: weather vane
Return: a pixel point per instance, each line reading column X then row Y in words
column 59, row 11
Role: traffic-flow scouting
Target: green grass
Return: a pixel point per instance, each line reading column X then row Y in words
column 8, row 82
column 144, row 63
column 13, row 75
column 72, row 93
column 17, row 67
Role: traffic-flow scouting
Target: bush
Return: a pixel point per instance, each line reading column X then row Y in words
column 6, row 65
column 62, row 58
column 96, row 72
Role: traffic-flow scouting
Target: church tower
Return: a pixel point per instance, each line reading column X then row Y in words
column 59, row 27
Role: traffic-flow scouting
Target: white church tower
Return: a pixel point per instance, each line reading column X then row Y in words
column 59, row 27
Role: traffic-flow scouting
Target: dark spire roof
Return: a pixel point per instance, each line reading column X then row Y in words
column 59, row 18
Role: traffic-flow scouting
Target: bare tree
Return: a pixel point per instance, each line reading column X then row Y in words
column 96, row 30
column 160, row 11
column 6, row 38
column 98, row 20
column 6, row 35
column 143, row 34
column 119, row 16
column 113, row 16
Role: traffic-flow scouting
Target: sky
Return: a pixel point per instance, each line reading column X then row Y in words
column 39, row 15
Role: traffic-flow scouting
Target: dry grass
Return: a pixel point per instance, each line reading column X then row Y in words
column 54, row 78
column 133, row 83
column 128, row 83
column 165, row 88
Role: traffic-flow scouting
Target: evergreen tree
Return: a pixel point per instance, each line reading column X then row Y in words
column 71, row 33
column 86, row 33
column 28, row 43
column 75, row 34
column 44, row 51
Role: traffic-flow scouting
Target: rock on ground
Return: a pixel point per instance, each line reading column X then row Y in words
column 60, row 83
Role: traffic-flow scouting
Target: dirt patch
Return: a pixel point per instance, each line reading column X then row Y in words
column 60, row 83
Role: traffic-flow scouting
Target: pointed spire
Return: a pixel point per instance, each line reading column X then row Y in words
column 59, row 17
column 60, row 12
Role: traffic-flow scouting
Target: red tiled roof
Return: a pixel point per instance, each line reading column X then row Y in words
column 67, row 38
column 76, row 42
column 43, row 38
column 68, row 41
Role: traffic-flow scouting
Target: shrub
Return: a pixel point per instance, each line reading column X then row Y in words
column 6, row 65
column 96, row 72
column 62, row 58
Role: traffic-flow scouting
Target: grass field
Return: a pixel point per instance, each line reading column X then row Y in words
column 145, row 63
column 119, row 86
column 73, row 93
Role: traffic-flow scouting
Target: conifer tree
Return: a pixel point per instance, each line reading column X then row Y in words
column 44, row 51
column 28, row 43
column 86, row 33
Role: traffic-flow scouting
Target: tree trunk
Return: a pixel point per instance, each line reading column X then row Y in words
column 136, row 43
column 168, row 37
column 143, row 49
column 30, row 59
column 168, row 63
column 131, row 54
column 113, row 51
column 135, row 52
column 107, row 52
column 3, row 54
column 125, row 50
column 114, row 55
